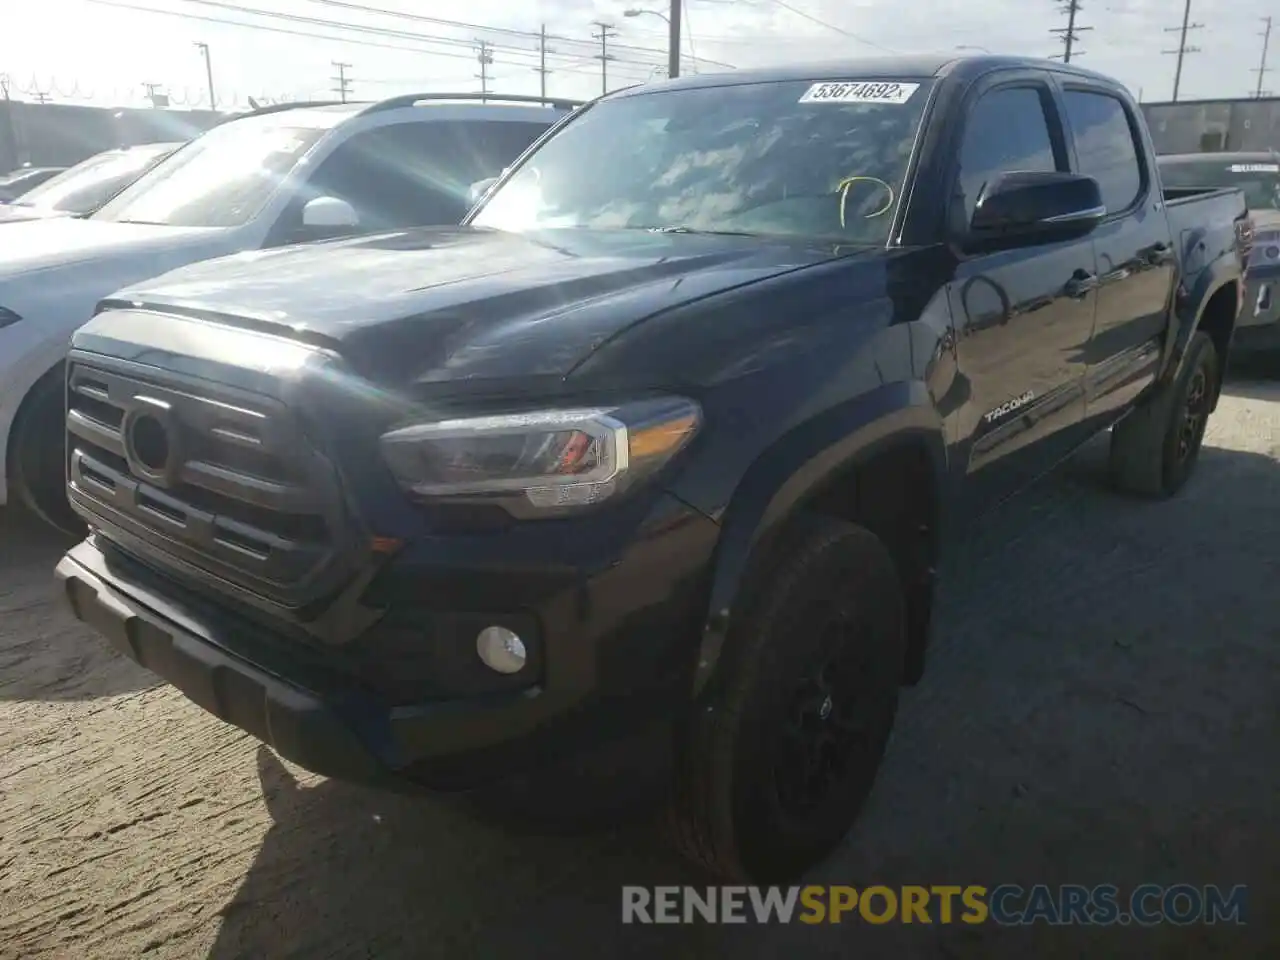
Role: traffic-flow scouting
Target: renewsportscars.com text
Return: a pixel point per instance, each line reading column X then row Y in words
column 1004, row 905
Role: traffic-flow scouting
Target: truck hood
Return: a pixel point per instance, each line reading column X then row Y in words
column 463, row 303
column 36, row 245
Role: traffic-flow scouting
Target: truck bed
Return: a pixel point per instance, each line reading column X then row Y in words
column 1205, row 222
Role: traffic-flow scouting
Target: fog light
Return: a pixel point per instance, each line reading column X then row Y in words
column 501, row 650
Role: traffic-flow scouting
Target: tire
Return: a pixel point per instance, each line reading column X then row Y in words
column 1155, row 448
column 37, row 449
column 831, row 602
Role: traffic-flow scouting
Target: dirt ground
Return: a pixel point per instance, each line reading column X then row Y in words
column 1102, row 706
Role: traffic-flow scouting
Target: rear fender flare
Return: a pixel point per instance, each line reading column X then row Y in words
column 1188, row 308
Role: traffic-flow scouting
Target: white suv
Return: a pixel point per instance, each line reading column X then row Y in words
column 278, row 176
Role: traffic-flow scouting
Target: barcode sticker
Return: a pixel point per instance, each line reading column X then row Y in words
column 859, row 91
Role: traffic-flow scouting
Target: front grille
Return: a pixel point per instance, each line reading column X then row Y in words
column 214, row 478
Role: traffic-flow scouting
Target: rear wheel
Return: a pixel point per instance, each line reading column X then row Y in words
column 776, row 764
column 1155, row 449
column 37, row 455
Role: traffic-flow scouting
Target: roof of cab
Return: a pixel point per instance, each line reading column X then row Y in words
column 906, row 67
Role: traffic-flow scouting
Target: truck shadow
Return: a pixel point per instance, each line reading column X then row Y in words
column 45, row 653
column 1099, row 708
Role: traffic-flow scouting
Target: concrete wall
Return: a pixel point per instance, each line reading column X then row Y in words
column 60, row 135
column 1199, row 126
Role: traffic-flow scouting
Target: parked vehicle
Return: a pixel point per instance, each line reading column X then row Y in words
column 662, row 442
column 82, row 189
column 17, row 182
column 275, row 177
column 1258, row 176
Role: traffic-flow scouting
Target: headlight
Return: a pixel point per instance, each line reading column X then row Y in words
column 7, row 317
column 541, row 462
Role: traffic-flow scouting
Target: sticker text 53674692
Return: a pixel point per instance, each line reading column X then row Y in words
column 859, row 91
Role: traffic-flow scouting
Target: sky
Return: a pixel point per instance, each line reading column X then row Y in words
column 105, row 52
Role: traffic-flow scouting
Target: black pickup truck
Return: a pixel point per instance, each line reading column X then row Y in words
column 662, row 442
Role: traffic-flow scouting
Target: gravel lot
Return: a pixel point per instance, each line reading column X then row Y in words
column 1102, row 706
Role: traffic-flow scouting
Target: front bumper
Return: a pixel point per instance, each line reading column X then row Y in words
column 611, row 667
column 293, row 720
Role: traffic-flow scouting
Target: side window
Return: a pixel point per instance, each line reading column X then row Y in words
column 1007, row 131
column 408, row 174
column 390, row 176
column 485, row 147
column 1105, row 146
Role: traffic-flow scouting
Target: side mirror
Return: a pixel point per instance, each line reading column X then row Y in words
column 1034, row 207
column 329, row 213
column 478, row 189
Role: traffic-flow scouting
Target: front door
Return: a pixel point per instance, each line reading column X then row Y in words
column 1023, row 317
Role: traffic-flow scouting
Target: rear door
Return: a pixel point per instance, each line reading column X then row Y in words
column 1132, row 246
column 1023, row 316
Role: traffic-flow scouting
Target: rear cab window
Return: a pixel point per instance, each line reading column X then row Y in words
column 1107, row 147
column 819, row 159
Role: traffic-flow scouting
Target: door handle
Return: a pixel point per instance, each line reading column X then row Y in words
column 1080, row 284
column 1157, row 254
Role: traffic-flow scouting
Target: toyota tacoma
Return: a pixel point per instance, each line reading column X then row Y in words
column 664, row 438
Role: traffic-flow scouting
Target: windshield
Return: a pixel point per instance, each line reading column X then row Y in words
column 88, row 185
column 220, row 179
column 1259, row 181
column 805, row 159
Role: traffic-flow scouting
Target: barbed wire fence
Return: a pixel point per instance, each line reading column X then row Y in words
column 52, row 89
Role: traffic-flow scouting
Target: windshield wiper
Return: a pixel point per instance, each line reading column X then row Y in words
column 708, row 233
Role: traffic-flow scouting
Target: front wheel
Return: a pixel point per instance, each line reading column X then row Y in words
column 778, row 760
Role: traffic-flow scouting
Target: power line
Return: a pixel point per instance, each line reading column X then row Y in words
column 511, row 31
column 1183, row 49
column 683, row 8
column 830, row 26
column 604, row 56
column 343, row 84
column 422, row 38
column 1070, row 33
column 1262, row 64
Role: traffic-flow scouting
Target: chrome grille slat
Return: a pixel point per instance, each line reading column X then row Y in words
column 285, row 497
column 239, row 493
column 87, row 428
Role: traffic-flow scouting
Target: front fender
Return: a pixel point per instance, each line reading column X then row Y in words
column 798, row 465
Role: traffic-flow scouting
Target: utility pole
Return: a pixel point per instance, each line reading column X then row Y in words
column 343, row 84
column 208, row 72
column 1262, row 64
column 673, row 38
column 1183, row 49
column 484, row 56
column 1070, row 33
column 541, row 69
column 604, row 56
column 154, row 95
